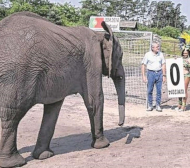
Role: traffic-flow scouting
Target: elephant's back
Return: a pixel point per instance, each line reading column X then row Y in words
column 21, row 54
column 23, row 33
column 17, row 39
column 30, row 44
column 18, row 20
column 35, row 52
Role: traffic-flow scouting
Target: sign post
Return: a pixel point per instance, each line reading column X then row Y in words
column 175, row 77
column 95, row 22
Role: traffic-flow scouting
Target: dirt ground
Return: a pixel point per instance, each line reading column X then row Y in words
column 147, row 140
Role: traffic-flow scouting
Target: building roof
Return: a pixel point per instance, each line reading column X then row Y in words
column 128, row 24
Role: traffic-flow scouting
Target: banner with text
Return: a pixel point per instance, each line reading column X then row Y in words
column 175, row 77
column 95, row 22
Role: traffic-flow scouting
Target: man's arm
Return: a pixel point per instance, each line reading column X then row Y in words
column 143, row 67
column 143, row 73
column 164, row 72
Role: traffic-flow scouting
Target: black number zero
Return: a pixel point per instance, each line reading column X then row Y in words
column 174, row 65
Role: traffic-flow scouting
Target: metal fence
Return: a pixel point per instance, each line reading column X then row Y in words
column 171, row 48
column 134, row 45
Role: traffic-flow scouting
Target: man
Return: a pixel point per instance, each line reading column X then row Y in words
column 156, row 74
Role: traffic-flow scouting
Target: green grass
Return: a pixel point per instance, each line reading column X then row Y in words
column 170, row 46
column 169, row 38
column 133, row 50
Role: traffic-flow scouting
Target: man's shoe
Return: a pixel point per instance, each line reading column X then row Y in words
column 158, row 108
column 177, row 109
column 149, row 109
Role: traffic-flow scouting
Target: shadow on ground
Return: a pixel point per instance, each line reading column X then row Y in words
column 79, row 142
column 172, row 107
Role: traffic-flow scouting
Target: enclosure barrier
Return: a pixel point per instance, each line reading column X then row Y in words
column 134, row 44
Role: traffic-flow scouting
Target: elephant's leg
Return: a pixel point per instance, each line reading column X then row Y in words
column 9, row 156
column 51, row 112
column 94, row 102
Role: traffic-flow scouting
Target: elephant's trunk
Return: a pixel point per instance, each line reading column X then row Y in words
column 119, row 81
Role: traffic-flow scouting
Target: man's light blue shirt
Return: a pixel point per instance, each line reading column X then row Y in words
column 153, row 61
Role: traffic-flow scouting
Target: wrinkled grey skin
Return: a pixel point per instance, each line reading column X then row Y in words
column 41, row 62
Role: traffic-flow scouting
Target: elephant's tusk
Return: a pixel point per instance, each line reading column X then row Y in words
column 121, row 115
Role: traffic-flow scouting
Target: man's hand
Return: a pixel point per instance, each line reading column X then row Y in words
column 164, row 79
column 144, row 79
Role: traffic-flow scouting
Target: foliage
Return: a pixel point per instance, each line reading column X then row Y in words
column 170, row 46
column 149, row 13
column 162, row 17
column 166, row 31
column 170, row 32
column 2, row 13
column 65, row 15
column 17, row 7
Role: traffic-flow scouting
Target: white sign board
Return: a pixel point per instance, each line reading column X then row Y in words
column 113, row 22
column 175, row 77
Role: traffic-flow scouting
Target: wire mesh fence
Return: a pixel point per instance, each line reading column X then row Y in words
column 171, row 48
column 134, row 45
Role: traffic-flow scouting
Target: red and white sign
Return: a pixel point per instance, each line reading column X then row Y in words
column 95, row 22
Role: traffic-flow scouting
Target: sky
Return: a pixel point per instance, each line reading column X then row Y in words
column 185, row 6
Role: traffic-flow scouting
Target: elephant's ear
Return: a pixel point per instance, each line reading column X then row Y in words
column 108, row 47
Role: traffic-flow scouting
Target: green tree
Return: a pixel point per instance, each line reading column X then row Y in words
column 60, row 14
column 170, row 32
column 89, row 8
column 17, row 7
column 66, row 15
column 3, row 7
column 153, row 14
column 41, row 7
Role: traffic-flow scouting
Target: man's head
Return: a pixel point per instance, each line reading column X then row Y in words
column 155, row 47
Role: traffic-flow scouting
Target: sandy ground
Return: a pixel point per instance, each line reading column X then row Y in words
column 147, row 140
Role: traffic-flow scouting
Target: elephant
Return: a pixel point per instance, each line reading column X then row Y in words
column 42, row 63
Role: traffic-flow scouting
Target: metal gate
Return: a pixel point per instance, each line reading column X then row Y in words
column 134, row 44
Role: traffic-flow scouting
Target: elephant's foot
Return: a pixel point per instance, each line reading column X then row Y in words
column 42, row 154
column 101, row 142
column 15, row 160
